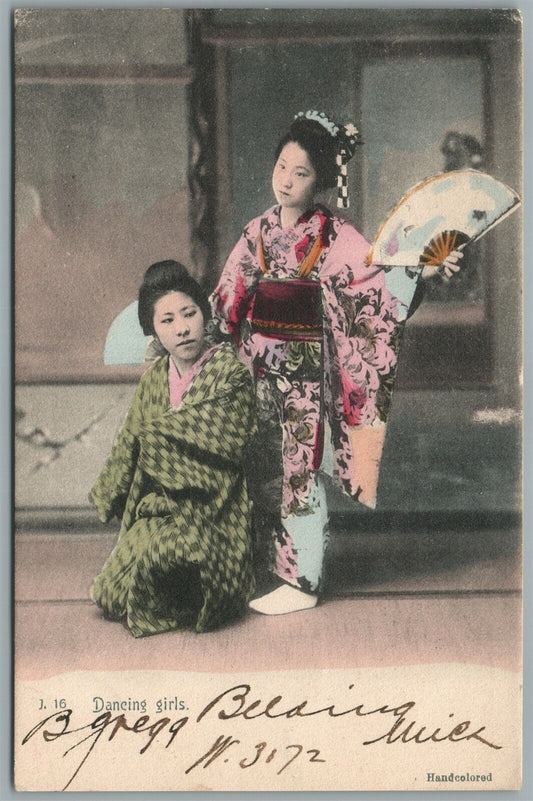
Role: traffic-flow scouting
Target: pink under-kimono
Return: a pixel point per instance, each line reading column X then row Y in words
column 323, row 368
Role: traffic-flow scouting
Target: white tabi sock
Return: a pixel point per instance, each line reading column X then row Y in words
column 283, row 600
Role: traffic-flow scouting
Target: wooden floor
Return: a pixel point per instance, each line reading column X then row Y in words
column 390, row 599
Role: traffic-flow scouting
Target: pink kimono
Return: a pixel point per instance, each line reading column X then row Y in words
column 319, row 331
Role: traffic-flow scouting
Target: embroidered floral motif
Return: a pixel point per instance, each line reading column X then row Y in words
column 286, row 557
column 353, row 367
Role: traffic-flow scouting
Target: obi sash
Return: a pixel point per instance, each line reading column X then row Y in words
column 288, row 309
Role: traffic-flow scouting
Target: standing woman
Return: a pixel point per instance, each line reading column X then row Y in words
column 319, row 330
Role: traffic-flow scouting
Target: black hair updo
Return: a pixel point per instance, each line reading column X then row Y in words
column 321, row 145
column 159, row 280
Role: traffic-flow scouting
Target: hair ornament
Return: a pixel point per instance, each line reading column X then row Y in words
column 348, row 137
column 319, row 116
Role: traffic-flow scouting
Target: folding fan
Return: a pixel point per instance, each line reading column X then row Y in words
column 439, row 215
column 125, row 342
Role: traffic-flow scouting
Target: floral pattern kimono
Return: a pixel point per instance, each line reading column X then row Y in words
column 324, row 364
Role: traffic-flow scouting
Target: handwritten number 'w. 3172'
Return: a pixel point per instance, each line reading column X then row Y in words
column 222, row 744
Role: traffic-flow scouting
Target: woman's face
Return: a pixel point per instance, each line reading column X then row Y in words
column 294, row 178
column 179, row 325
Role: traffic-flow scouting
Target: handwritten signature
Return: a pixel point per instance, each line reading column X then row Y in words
column 238, row 702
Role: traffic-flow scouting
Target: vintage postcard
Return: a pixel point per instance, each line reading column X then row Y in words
column 268, row 272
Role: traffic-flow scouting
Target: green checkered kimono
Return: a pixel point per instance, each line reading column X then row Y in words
column 175, row 477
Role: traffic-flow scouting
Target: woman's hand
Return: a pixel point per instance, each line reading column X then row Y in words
column 446, row 270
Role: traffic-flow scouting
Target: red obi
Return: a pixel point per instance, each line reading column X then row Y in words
column 288, row 309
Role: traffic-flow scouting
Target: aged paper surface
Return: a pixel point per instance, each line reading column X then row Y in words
column 149, row 134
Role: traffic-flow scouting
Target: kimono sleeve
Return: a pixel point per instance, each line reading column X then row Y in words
column 231, row 298
column 362, row 318
column 110, row 491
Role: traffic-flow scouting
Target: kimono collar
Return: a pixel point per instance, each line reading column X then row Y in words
column 317, row 210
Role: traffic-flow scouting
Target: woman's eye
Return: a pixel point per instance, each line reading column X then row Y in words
column 190, row 313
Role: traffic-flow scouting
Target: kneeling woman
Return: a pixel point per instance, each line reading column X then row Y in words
column 175, row 477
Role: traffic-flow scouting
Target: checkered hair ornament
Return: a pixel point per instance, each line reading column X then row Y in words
column 348, row 137
column 343, row 201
